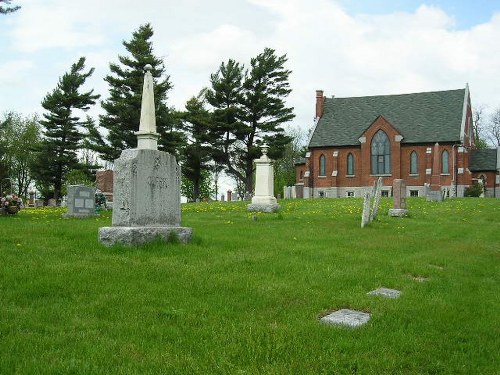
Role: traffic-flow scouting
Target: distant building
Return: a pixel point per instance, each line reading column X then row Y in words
column 424, row 138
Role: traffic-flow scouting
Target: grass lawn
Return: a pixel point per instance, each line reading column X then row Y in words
column 244, row 297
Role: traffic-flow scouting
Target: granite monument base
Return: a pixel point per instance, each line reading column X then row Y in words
column 398, row 212
column 131, row 236
column 263, row 207
column 263, row 204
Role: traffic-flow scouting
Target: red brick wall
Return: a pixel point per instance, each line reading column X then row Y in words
column 400, row 165
column 300, row 169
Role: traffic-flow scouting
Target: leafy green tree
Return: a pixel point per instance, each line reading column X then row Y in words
column 4, row 156
column 123, row 106
column 63, row 134
column 195, row 155
column 205, row 187
column 249, row 109
column 6, row 9
column 20, row 135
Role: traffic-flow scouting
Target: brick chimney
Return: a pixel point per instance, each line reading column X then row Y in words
column 320, row 100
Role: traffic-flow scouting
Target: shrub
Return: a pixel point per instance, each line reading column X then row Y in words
column 475, row 190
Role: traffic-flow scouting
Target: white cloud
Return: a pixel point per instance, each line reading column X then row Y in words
column 327, row 48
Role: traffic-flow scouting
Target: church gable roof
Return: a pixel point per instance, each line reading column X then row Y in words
column 420, row 117
column 483, row 160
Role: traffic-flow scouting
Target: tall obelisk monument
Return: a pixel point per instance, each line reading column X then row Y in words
column 146, row 189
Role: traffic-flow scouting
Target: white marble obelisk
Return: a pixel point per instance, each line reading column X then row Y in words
column 146, row 186
column 263, row 199
column 147, row 137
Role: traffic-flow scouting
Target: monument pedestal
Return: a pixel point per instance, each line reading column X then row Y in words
column 264, row 204
column 263, row 200
column 140, row 235
column 147, row 197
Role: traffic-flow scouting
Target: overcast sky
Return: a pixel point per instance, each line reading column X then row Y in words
column 344, row 47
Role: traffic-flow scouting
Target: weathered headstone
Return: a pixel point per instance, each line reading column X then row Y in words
column 365, row 216
column 146, row 187
column 38, row 203
column 399, row 193
column 264, row 200
column 350, row 318
column 51, row 202
column 376, row 201
column 81, row 201
column 31, row 202
column 229, row 195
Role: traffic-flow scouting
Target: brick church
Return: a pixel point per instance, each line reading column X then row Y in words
column 424, row 138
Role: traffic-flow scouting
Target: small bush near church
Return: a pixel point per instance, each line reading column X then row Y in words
column 475, row 190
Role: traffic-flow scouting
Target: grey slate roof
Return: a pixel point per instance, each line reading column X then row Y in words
column 300, row 161
column 483, row 160
column 419, row 118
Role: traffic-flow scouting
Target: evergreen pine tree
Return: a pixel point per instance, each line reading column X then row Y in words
column 250, row 110
column 227, row 130
column 123, row 107
column 57, row 153
column 196, row 154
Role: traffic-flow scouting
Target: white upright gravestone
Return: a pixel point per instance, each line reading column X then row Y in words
column 264, row 200
column 146, row 186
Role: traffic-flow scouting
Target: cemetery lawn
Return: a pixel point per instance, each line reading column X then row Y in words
column 245, row 296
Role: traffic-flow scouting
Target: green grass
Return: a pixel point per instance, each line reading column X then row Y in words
column 244, row 297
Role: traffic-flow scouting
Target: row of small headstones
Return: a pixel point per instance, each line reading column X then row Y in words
column 353, row 318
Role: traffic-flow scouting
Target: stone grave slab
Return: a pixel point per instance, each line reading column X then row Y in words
column 385, row 292
column 346, row 317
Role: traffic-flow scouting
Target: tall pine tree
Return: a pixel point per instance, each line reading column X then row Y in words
column 123, row 107
column 250, row 110
column 63, row 136
column 227, row 131
column 195, row 155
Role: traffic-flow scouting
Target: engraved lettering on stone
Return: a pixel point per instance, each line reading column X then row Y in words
column 157, row 162
column 124, row 205
column 157, row 182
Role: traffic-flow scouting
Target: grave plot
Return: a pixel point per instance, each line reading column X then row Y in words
column 346, row 317
column 386, row 292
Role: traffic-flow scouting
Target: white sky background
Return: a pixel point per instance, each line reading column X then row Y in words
column 344, row 47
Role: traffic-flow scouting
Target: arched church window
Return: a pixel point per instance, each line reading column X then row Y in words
column 350, row 164
column 381, row 153
column 322, row 165
column 445, row 169
column 413, row 163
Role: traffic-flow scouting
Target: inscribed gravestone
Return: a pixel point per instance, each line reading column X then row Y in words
column 81, row 201
column 399, row 193
column 377, row 192
column 365, row 216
